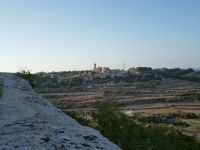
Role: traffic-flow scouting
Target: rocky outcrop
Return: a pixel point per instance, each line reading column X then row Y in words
column 1, row 87
column 29, row 122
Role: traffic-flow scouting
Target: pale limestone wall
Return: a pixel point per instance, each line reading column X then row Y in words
column 1, row 87
column 28, row 122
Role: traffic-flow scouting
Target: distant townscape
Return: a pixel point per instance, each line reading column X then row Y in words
column 89, row 80
column 162, row 103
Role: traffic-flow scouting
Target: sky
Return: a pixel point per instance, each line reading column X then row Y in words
column 62, row 35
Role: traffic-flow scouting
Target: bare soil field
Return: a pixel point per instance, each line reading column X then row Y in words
column 164, row 93
column 161, row 98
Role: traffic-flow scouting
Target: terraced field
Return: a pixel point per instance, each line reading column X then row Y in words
column 156, row 97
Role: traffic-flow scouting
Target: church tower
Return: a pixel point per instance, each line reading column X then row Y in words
column 94, row 66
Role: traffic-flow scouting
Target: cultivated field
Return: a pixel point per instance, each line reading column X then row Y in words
column 145, row 97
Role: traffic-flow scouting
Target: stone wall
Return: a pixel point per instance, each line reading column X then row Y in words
column 27, row 121
column 1, row 87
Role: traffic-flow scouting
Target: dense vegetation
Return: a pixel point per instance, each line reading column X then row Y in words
column 130, row 78
column 168, row 118
column 80, row 81
column 75, row 84
column 80, row 120
column 143, row 69
column 127, row 134
column 193, row 95
column 174, row 72
column 190, row 78
column 124, row 92
column 178, row 73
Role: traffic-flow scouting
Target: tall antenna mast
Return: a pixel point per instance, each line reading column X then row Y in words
column 123, row 66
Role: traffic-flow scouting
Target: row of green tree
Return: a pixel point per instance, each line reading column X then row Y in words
column 41, row 82
column 193, row 95
column 166, row 118
column 174, row 72
column 128, row 135
column 190, row 78
column 169, row 73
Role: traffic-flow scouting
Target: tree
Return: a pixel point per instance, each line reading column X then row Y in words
column 123, row 131
column 143, row 69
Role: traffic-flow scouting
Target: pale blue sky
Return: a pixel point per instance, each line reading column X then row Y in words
column 59, row 35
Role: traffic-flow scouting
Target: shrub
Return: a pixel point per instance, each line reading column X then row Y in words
column 26, row 75
column 123, row 131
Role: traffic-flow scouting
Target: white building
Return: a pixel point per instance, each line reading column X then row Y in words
column 129, row 112
column 105, row 69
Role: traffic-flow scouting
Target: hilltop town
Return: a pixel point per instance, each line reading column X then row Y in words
column 161, row 103
column 143, row 90
column 88, row 80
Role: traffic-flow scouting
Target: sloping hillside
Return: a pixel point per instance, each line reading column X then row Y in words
column 29, row 122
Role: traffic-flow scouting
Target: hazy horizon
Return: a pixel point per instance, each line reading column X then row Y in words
column 73, row 35
column 26, row 68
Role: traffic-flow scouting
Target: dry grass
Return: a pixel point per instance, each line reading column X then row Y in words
column 160, row 99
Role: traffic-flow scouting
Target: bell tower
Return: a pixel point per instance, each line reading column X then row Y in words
column 94, row 67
